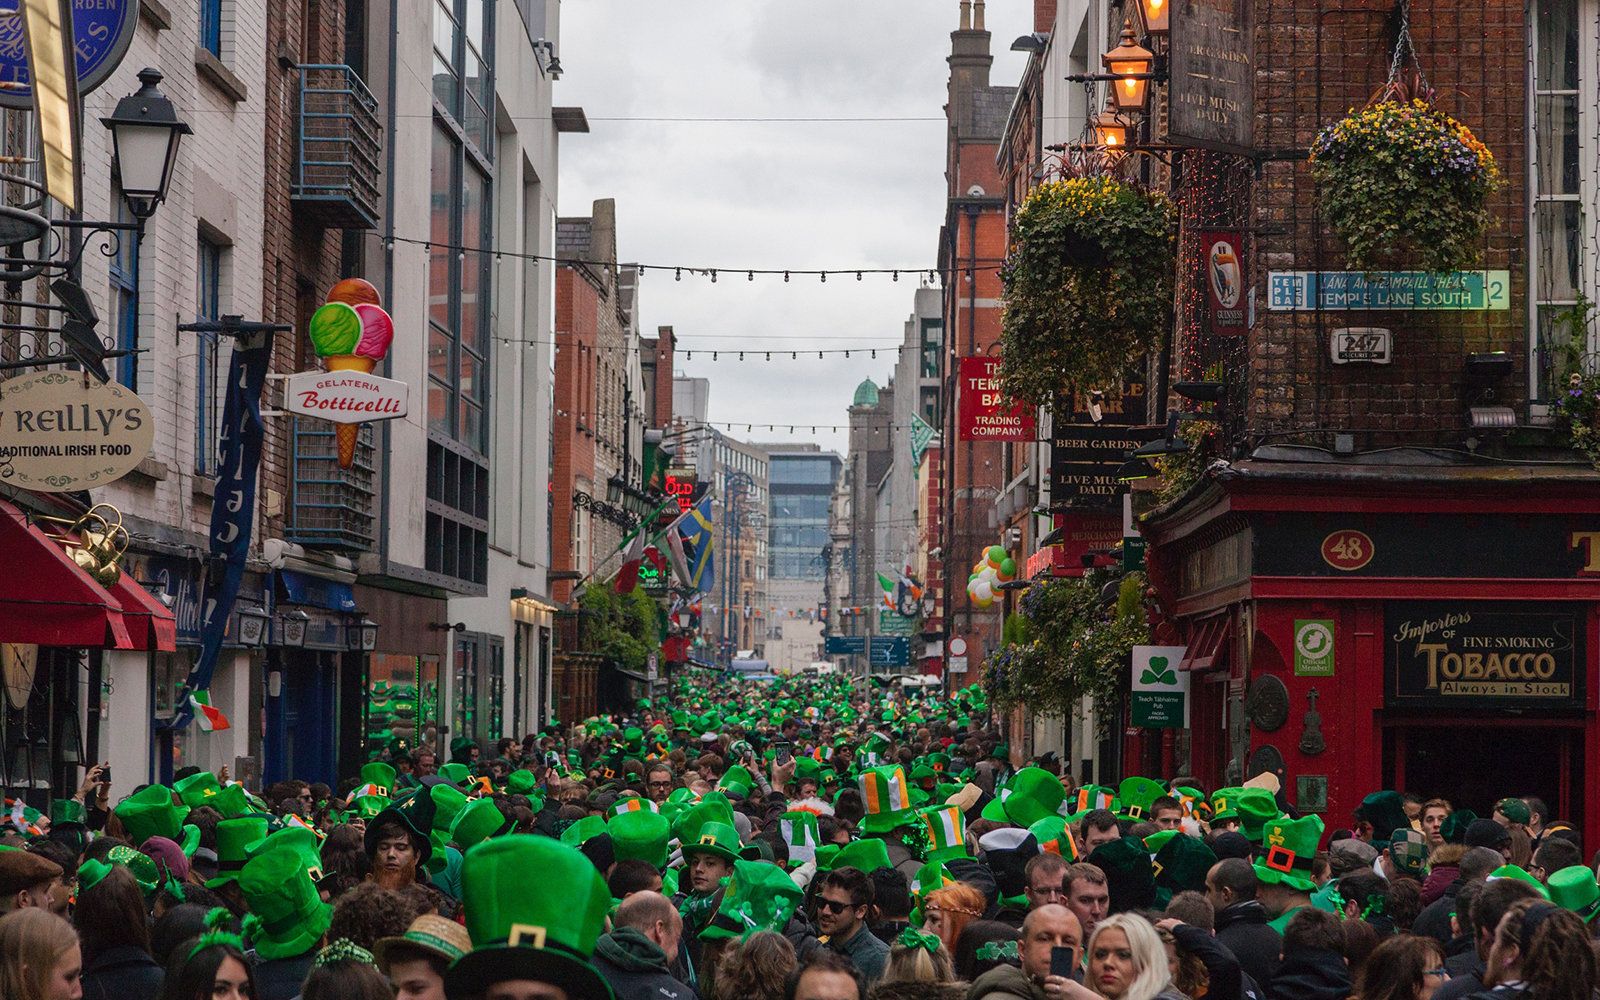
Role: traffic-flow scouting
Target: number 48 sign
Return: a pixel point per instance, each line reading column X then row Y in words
column 1347, row 550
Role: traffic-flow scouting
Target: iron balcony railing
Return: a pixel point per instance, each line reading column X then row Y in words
column 332, row 508
column 340, row 147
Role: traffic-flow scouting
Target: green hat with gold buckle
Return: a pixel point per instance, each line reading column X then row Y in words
column 303, row 843
column 719, row 839
column 1138, row 795
column 1290, row 847
column 544, row 937
column 281, row 895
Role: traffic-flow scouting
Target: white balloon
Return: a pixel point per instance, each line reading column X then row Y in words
column 983, row 591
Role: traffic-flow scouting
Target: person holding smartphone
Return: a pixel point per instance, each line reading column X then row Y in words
column 1050, row 950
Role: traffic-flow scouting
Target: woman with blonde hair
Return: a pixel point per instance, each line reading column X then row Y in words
column 919, row 957
column 39, row 957
column 1127, row 961
column 946, row 912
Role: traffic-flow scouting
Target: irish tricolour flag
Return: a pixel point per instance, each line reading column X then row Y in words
column 210, row 719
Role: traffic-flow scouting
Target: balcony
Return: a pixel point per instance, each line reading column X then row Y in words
column 336, row 171
column 332, row 508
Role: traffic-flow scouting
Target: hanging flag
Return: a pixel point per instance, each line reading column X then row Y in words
column 207, row 717
column 888, row 590
column 628, row 575
column 696, row 534
column 921, row 433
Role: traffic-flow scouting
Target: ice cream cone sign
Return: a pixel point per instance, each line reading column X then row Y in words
column 351, row 333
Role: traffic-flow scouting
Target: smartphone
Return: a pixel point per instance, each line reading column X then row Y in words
column 1063, row 962
column 105, row 775
column 784, row 757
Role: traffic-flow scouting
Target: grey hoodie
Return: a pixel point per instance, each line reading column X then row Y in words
column 1005, row 982
column 636, row 967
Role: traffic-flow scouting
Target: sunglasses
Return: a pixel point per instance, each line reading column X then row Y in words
column 834, row 906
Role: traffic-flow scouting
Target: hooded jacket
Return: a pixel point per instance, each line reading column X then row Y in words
column 636, row 967
column 1311, row 974
column 1242, row 929
column 1005, row 982
column 919, row 991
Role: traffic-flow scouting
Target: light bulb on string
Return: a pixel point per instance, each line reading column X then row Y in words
column 897, row 275
column 786, row 276
column 824, row 277
column 713, row 276
column 677, row 274
column 751, row 275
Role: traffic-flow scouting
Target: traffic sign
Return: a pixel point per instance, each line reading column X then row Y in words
column 889, row 651
column 845, row 645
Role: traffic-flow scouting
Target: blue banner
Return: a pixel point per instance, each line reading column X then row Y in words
column 232, row 510
column 699, row 543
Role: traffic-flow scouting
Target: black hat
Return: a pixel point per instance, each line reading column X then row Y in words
column 1130, row 879
column 414, row 814
column 1486, row 833
column 1232, row 844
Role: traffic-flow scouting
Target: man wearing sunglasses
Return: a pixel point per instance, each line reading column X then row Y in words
column 842, row 906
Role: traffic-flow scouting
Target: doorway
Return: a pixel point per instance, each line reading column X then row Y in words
column 1476, row 762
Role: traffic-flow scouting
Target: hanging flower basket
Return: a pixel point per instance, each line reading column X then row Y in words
column 1088, row 285
column 1404, row 184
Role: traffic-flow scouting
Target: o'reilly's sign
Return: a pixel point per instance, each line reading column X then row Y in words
column 1475, row 654
column 62, row 431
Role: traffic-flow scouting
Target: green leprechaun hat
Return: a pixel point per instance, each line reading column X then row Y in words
column 292, row 916
column 640, row 836
column 1521, row 875
column 521, row 782
column 455, row 773
column 1137, row 795
column 931, row 877
column 758, row 897
column 1256, row 808
column 150, row 812
column 415, row 813
column 1225, row 803
column 234, row 839
column 1180, row 864
column 198, row 789
column 1575, row 889
column 868, row 855
column 687, row 826
column 297, row 840
column 887, row 798
column 720, row 839
column 368, row 807
column 736, row 780
column 545, row 937
column 66, row 811
column 1032, row 794
column 582, row 830
column 1290, row 848
column 380, row 774
column 477, row 821
column 1054, row 835
column 946, row 831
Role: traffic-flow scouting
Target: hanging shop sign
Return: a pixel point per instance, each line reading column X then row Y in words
column 682, row 487
column 1159, row 695
column 983, row 412
column 1371, row 345
column 1124, row 404
column 1225, row 280
column 62, row 431
column 1211, row 91
column 1398, row 290
column 1464, row 654
column 350, row 333
column 101, row 33
column 1084, row 459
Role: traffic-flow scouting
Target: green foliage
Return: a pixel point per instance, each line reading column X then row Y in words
column 1401, row 176
column 1576, row 406
column 623, row 628
column 1181, row 471
column 1088, row 285
column 1015, row 629
column 1075, row 645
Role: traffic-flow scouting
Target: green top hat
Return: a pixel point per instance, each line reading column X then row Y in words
column 1521, row 875
column 939, row 761
column 521, row 782
column 825, row 855
column 233, row 801
column 931, row 877
column 1032, row 794
column 368, row 807
column 736, row 780
column 234, row 839
column 641, row 835
column 1130, row 876
column 1575, row 889
column 583, row 829
column 280, row 893
column 150, row 812
column 1454, row 827
column 66, row 811
column 807, row 768
column 456, row 773
column 1386, row 811
column 720, row 839
column 297, row 840
column 687, row 826
column 1290, row 848
column 868, row 855
column 1182, row 863
column 758, row 897
column 923, row 772
column 1137, row 795
column 477, row 821
column 544, row 936
column 461, row 749
column 198, row 789
column 946, row 830
column 1054, row 835
column 887, row 798
column 1256, row 808
column 414, row 813
column 380, row 774
column 1225, row 804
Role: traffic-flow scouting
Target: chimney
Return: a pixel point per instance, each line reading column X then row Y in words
column 1044, row 15
column 977, row 16
column 969, row 54
column 966, row 15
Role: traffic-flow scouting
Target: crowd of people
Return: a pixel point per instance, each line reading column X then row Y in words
column 803, row 840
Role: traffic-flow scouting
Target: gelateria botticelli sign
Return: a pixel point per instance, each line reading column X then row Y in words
column 63, row 431
column 1478, row 654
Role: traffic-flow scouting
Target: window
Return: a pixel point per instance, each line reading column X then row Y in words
column 125, row 297
column 209, row 372
column 211, row 26
column 1563, row 74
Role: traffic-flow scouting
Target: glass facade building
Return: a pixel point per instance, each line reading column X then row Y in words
column 800, row 483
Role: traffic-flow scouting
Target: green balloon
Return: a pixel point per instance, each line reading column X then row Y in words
column 996, row 553
column 1008, row 566
column 335, row 328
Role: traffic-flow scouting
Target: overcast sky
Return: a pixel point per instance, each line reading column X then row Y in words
column 769, row 194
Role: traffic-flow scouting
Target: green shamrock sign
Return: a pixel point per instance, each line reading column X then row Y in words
column 1158, row 672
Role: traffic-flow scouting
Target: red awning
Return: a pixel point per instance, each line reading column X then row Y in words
column 45, row 599
column 1208, row 643
column 150, row 624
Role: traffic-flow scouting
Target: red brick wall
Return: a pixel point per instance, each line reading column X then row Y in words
column 572, row 454
column 666, row 356
column 1313, row 63
column 1044, row 15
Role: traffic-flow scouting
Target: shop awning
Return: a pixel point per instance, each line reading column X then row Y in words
column 45, row 599
column 151, row 625
column 1208, row 644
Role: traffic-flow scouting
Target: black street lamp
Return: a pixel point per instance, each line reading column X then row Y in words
column 145, row 133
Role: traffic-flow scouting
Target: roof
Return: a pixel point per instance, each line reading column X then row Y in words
column 866, row 394
column 990, row 108
column 572, row 238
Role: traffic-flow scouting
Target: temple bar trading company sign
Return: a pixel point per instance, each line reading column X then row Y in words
column 1477, row 655
column 1211, row 94
column 983, row 413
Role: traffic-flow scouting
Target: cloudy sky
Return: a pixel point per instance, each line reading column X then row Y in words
column 834, row 194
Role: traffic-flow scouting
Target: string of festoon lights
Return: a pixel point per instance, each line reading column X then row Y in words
column 718, row 354
column 746, row 426
column 966, row 270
